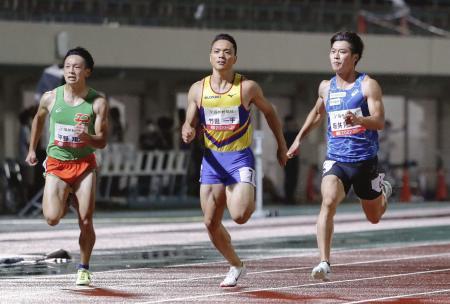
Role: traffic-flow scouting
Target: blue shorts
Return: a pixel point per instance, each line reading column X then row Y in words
column 363, row 176
column 228, row 167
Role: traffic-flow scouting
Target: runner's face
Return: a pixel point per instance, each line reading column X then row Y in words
column 222, row 55
column 75, row 69
column 341, row 57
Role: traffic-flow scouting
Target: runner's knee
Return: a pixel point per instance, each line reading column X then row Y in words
column 329, row 204
column 86, row 223
column 211, row 224
column 241, row 217
column 52, row 221
column 373, row 219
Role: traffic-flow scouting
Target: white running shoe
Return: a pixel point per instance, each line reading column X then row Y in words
column 386, row 188
column 321, row 271
column 233, row 276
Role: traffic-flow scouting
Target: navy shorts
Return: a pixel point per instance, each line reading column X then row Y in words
column 363, row 176
column 228, row 167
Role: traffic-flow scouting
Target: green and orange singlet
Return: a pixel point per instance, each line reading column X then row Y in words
column 63, row 143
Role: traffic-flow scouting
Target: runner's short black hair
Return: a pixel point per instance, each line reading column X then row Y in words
column 82, row 52
column 226, row 37
column 356, row 44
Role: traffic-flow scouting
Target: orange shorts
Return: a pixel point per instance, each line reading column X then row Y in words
column 70, row 170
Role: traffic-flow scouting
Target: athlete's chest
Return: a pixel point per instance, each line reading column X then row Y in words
column 71, row 115
column 344, row 99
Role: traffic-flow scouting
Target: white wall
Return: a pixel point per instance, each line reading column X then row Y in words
column 25, row 43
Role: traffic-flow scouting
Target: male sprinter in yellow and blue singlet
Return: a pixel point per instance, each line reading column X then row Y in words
column 78, row 126
column 221, row 102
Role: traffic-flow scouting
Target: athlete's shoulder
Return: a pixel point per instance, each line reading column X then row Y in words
column 324, row 87
column 196, row 91
column 99, row 104
column 49, row 94
column 325, row 83
column 197, row 86
column 248, row 84
column 48, row 97
column 100, row 99
column 370, row 85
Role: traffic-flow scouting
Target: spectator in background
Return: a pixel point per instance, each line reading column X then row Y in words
column 32, row 176
column 116, row 129
column 150, row 139
column 166, row 131
column 291, row 170
column 25, row 117
column 386, row 145
column 159, row 136
column 401, row 12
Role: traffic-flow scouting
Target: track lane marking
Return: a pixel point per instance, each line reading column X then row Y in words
column 401, row 296
column 225, row 293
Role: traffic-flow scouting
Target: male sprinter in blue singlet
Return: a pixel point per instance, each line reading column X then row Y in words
column 221, row 103
column 352, row 103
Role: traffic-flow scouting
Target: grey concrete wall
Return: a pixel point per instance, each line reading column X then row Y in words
column 168, row 48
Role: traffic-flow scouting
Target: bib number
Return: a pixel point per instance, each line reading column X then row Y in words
column 338, row 125
column 65, row 136
column 222, row 119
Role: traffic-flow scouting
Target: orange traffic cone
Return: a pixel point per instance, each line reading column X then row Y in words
column 362, row 24
column 405, row 194
column 441, row 189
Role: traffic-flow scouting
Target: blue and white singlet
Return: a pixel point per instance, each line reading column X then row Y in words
column 348, row 143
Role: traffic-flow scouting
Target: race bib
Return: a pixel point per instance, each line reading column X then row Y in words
column 338, row 125
column 65, row 136
column 222, row 119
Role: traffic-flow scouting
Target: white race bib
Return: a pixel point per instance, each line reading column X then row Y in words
column 65, row 136
column 221, row 119
column 338, row 125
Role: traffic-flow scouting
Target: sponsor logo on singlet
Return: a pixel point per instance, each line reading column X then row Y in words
column 211, row 97
column 82, row 118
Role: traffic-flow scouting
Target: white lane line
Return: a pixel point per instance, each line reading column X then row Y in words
column 60, row 276
column 289, row 269
column 308, row 253
column 225, row 293
column 401, row 296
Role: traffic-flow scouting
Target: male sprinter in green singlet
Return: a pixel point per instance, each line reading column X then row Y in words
column 78, row 126
column 221, row 103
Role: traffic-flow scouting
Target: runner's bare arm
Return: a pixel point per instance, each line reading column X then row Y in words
column 45, row 104
column 375, row 121
column 256, row 96
column 100, row 138
column 188, row 129
column 313, row 119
